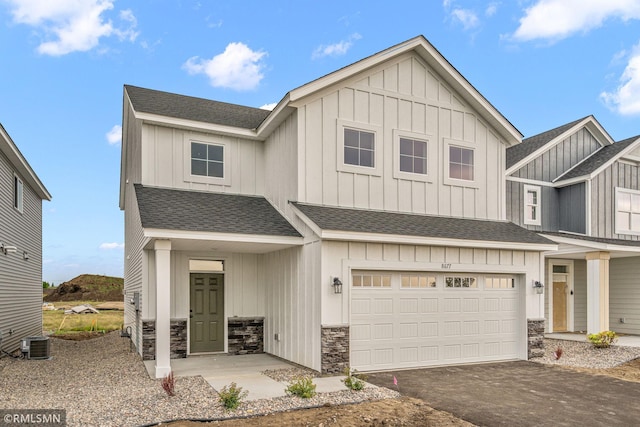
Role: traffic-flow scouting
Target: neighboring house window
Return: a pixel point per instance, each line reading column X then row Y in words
column 359, row 148
column 627, row 211
column 207, row 160
column 460, row 163
column 17, row 193
column 413, row 156
column 532, row 212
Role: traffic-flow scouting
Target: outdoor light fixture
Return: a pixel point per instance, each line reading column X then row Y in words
column 337, row 286
column 25, row 256
column 6, row 249
column 538, row 286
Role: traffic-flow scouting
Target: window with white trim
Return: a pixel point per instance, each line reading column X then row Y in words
column 627, row 211
column 18, row 193
column 371, row 280
column 413, row 156
column 461, row 163
column 359, row 148
column 460, row 282
column 207, row 159
column 532, row 202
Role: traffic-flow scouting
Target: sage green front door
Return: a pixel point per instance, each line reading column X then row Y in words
column 207, row 313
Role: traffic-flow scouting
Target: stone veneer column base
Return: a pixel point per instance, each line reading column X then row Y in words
column 246, row 335
column 535, row 338
column 335, row 349
column 178, row 343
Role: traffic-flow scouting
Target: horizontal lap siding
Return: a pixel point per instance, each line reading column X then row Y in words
column 603, row 198
column 401, row 95
column 20, row 280
column 624, row 295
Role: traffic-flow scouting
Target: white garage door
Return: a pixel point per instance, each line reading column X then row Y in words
column 404, row 320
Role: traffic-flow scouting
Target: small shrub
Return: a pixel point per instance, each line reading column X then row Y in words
column 302, row 387
column 603, row 339
column 169, row 384
column 232, row 395
column 558, row 353
column 353, row 380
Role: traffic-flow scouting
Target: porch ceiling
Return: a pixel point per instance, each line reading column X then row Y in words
column 221, row 244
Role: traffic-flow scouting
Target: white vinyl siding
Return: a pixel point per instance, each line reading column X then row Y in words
column 532, row 205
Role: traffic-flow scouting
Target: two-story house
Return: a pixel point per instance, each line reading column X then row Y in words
column 579, row 188
column 21, row 196
column 360, row 223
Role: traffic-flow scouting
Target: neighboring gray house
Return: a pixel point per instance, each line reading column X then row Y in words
column 577, row 187
column 21, row 195
column 360, row 223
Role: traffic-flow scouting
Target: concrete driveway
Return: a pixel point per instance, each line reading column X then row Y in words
column 520, row 394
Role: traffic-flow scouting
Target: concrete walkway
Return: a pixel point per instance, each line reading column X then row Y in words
column 222, row 369
column 623, row 341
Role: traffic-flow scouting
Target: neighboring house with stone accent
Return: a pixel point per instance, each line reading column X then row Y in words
column 21, row 196
column 360, row 223
column 576, row 186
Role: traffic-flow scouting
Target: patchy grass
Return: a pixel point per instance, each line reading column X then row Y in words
column 58, row 323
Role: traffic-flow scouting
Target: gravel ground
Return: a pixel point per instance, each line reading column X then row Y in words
column 585, row 355
column 101, row 382
column 290, row 374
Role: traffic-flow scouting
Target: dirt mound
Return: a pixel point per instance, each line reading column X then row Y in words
column 88, row 287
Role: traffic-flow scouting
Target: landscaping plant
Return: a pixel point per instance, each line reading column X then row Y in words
column 558, row 353
column 302, row 387
column 232, row 395
column 603, row 339
column 353, row 380
column 169, row 384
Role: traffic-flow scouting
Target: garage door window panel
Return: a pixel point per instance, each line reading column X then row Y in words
column 417, row 281
column 460, row 282
column 366, row 280
column 499, row 283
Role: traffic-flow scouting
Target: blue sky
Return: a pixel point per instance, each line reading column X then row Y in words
column 542, row 63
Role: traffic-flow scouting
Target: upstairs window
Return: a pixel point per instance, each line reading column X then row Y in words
column 413, row 156
column 359, row 148
column 460, row 163
column 627, row 211
column 17, row 193
column 532, row 213
column 207, row 160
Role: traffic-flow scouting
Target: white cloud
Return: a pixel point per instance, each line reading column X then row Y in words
column 72, row 25
column 114, row 245
column 238, row 67
column 336, row 49
column 491, row 9
column 625, row 99
column 114, row 136
column 466, row 17
column 269, row 107
column 558, row 19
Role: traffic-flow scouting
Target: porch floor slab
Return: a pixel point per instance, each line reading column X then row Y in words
column 222, row 369
column 623, row 341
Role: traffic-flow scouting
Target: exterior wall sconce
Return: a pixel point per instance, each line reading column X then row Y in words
column 25, row 256
column 538, row 286
column 6, row 249
column 337, row 286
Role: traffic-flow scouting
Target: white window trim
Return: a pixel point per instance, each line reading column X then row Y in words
column 19, row 197
column 226, row 175
column 538, row 191
column 431, row 157
column 460, row 182
column 378, row 146
column 619, row 230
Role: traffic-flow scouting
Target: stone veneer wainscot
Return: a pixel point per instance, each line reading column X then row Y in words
column 335, row 349
column 246, row 335
column 535, row 338
column 178, row 341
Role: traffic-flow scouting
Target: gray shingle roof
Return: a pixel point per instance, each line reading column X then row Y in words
column 534, row 143
column 597, row 159
column 382, row 222
column 186, row 210
column 191, row 108
column 620, row 242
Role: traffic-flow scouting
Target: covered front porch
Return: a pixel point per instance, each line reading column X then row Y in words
column 592, row 285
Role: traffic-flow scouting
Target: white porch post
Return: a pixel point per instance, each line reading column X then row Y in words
column 163, row 307
column 597, row 292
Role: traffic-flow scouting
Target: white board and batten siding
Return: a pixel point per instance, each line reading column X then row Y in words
column 464, row 321
column 20, row 279
column 400, row 97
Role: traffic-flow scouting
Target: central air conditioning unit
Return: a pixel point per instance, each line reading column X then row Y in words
column 36, row 348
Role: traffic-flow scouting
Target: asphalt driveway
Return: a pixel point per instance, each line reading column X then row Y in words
column 520, row 394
